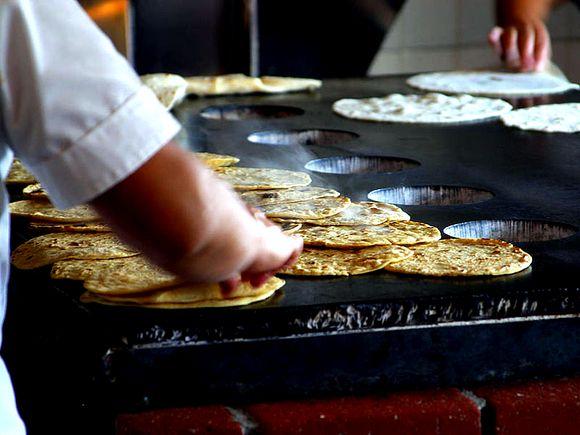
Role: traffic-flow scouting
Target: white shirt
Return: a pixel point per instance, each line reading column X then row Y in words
column 74, row 111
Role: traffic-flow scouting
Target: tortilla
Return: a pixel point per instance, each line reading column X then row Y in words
column 42, row 210
column 314, row 209
column 35, row 191
column 491, row 83
column 390, row 233
column 89, row 227
column 18, row 174
column 344, row 262
column 550, row 118
column 359, row 213
column 169, row 89
column 463, row 257
column 231, row 84
column 191, row 296
column 431, row 108
column 50, row 248
column 286, row 196
column 116, row 276
column 290, row 228
column 263, row 178
column 214, row 161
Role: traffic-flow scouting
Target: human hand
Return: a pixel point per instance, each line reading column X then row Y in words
column 523, row 45
column 178, row 213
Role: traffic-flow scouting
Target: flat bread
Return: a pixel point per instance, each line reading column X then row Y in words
column 50, row 248
column 463, row 257
column 18, row 174
column 214, row 161
column 290, row 228
column 43, row 210
column 431, row 108
column 286, row 196
column 116, row 276
column 390, row 233
column 170, row 89
column 344, row 262
column 550, row 118
column 359, row 213
column 231, row 84
column 263, row 178
column 491, row 83
column 35, row 191
column 191, row 296
column 313, row 209
column 89, row 227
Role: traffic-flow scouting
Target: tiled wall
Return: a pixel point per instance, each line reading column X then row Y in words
column 451, row 34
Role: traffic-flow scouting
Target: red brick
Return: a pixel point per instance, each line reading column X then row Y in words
column 202, row 420
column 435, row 412
column 535, row 408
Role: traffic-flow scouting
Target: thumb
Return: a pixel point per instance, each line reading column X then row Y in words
column 275, row 250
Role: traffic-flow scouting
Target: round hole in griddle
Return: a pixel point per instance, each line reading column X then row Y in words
column 301, row 137
column 359, row 164
column 511, row 230
column 241, row 112
column 430, row 195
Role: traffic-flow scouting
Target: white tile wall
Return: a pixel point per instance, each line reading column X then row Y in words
column 452, row 34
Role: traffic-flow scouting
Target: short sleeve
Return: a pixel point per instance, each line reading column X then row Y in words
column 73, row 108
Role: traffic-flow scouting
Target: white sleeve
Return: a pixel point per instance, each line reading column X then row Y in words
column 73, row 108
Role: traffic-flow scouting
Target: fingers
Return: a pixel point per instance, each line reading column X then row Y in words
column 228, row 286
column 493, row 38
column 509, row 44
column 526, row 37
column 542, row 48
column 523, row 47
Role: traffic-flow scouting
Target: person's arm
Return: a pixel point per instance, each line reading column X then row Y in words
column 521, row 38
column 178, row 213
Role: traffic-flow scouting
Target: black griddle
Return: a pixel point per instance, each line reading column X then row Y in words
column 355, row 335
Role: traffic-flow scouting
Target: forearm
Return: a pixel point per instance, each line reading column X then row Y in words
column 168, row 210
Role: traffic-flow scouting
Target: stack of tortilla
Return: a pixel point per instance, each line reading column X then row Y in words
column 81, row 247
column 341, row 237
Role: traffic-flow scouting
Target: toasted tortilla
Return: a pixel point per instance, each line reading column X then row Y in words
column 35, row 191
column 358, row 213
column 214, row 161
column 313, row 209
column 170, row 89
column 89, row 227
column 116, row 276
column 44, row 211
column 232, row 84
column 50, row 248
column 344, row 262
column 18, row 174
column 463, row 257
column 191, row 296
column 390, row 233
column 263, row 178
column 285, row 196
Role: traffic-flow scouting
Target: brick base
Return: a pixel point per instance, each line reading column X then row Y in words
column 535, row 408
column 181, row 421
column 438, row 412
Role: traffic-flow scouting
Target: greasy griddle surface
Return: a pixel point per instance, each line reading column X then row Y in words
column 532, row 175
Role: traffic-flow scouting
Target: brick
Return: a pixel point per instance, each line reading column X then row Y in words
column 178, row 421
column 435, row 412
column 535, row 408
